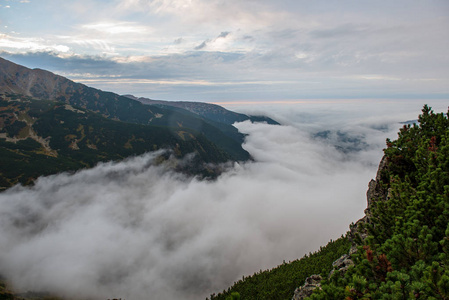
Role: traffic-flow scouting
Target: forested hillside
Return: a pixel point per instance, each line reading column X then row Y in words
column 39, row 138
column 406, row 252
column 281, row 281
column 403, row 242
column 43, row 85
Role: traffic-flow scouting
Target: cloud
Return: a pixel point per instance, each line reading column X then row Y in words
column 117, row 28
column 215, row 43
column 248, row 41
column 14, row 43
column 153, row 76
column 178, row 41
column 61, row 64
column 215, row 13
column 132, row 229
column 223, row 34
column 202, row 45
column 340, row 31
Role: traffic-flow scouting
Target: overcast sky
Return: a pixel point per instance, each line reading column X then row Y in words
column 236, row 50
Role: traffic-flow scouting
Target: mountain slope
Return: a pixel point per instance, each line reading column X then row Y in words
column 281, row 281
column 39, row 137
column 208, row 111
column 403, row 241
column 400, row 249
column 44, row 85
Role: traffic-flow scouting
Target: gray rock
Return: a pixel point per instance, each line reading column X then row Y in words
column 376, row 192
column 341, row 265
column 310, row 284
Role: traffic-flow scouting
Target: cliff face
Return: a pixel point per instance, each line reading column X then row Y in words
column 377, row 191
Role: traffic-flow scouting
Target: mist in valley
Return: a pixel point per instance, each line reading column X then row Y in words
column 137, row 230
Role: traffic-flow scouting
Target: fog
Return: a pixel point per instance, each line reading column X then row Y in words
column 134, row 230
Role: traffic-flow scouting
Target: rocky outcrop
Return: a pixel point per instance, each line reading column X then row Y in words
column 376, row 192
column 341, row 265
column 310, row 284
column 313, row 282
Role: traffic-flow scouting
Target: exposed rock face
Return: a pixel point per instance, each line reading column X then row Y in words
column 376, row 192
column 342, row 265
column 375, row 189
column 313, row 282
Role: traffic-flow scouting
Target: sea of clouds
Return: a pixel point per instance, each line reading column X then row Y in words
column 135, row 230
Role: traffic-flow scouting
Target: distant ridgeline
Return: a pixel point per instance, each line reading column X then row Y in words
column 399, row 250
column 50, row 124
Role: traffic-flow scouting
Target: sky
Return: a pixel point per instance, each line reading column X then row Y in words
column 230, row 51
column 133, row 230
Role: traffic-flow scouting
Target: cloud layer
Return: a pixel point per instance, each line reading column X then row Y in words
column 265, row 49
column 138, row 231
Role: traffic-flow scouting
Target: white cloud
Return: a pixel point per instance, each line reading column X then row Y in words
column 266, row 41
column 118, row 28
column 19, row 44
column 131, row 230
column 210, row 16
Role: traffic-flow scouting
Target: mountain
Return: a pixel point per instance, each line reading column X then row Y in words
column 49, row 124
column 42, row 137
column 398, row 250
column 208, row 111
column 211, row 114
column 44, row 85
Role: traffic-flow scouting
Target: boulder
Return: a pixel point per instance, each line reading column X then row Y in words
column 310, row 284
column 341, row 265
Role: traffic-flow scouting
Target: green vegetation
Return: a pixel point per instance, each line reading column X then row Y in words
column 225, row 136
column 5, row 293
column 47, row 137
column 281, row 282
column 406, row 253
column 44, row 85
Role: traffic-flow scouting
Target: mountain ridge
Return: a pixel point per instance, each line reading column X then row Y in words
column 62, row 111
column 42, row 137
column 41, row 84
column 209, row 111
